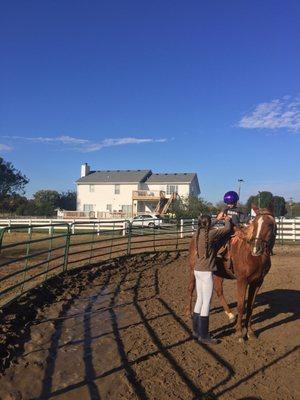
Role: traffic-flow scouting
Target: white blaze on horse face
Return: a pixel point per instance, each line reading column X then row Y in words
column 259, row 225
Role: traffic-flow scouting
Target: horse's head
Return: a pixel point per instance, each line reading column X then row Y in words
column 263, row 231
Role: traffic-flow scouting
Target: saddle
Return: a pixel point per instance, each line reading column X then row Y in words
column 224, row 262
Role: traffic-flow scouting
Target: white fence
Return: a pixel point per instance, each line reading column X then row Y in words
column 75, row 224
column 287, row 229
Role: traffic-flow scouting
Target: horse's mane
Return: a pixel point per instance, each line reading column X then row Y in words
column 246, row 232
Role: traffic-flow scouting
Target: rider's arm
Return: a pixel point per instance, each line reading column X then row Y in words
column 219, row 233
column 221, row 215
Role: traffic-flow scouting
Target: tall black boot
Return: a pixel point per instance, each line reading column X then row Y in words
column 204, row 336
column 196, row 317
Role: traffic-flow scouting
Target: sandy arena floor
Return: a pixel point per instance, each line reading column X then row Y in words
column 122, row 334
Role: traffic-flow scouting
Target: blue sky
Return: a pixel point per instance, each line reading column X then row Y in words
column 210, row 87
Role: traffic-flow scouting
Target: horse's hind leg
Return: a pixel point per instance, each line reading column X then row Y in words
column 241, row 294
column 218, row 286
column 252, row 293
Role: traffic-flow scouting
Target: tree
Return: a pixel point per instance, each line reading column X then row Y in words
column 46, row 201
column 261, row 200
column 190, row 207
column 265, row 200
column 253, row 200
column 12, row 181
column 279, row 206
column 67, row 200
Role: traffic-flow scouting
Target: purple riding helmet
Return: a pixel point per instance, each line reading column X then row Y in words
column 231, row 197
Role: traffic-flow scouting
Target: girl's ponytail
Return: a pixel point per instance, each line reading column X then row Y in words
column 204, row 222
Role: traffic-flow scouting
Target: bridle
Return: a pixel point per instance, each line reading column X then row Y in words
column 264, row 246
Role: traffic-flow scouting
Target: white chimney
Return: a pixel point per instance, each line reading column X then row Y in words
column 85, row 170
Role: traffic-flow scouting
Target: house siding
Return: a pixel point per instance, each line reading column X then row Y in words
column 104, row 194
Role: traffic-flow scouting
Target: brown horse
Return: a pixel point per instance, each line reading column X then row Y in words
column 249, row 251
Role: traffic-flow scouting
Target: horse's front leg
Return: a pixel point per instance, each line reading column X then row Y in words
column 252, row 293
column 218, row 286
column 241, row 294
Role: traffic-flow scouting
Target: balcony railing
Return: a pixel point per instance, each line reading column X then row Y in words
column 148, row 194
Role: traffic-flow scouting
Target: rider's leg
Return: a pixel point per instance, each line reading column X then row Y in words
column 206, row 279
column 198, row 305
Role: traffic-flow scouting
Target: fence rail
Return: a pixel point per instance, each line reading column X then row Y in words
column 32, row 253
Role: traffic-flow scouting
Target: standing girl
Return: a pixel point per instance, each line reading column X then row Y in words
column 208, row 241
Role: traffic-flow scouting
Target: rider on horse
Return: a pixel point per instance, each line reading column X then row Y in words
column 238, row 217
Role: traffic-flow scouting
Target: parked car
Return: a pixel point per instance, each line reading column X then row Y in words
column 150, row 220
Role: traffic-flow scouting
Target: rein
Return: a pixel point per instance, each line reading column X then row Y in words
column 265, row 244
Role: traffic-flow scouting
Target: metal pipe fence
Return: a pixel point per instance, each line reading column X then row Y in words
column 32, row 253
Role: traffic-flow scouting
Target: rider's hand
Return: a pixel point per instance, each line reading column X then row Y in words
column 220, row 216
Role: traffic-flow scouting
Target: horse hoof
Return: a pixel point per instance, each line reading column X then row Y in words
column 251, row 335
column 232, row 319
column 230, row 316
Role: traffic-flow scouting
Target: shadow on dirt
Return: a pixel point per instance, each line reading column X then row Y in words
column 276, row 302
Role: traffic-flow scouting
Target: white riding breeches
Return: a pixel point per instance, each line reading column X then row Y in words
column 204, row 287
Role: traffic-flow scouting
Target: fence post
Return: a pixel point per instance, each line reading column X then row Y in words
column 9, row 225
column 92, row 242
column 66, row 255
column 29, row 229
column 294, row 230
column 26, row 262
column 154, row 229
column 73, row 226
column 2, row 230
column 49, row 252
column 129, row 227
column 112, row 240
column 181, row 228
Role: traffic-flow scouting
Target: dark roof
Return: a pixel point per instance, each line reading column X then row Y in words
column 172, row 178
column 116, row 176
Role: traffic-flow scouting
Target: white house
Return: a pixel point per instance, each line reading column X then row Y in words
column 129, row 192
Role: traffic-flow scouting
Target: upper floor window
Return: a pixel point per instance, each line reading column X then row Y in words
column 91, row 188
column 109, row 207
column 172, row 189
column 117, row 189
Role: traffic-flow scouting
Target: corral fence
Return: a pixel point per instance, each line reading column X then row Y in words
column 33, row 251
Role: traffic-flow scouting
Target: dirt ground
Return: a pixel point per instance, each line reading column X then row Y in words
column 121, row 333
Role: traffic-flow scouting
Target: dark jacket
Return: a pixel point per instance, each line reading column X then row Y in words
column 237, row 215
column 215, row 236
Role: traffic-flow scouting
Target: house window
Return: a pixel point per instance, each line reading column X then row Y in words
column 91, row 188
column 117, row 189
column 88, row 207
column 126, row 209
column 109, row 207
column 172, row 189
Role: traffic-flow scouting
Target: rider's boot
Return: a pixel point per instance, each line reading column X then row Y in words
column 204, row 336
column 195, row 319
